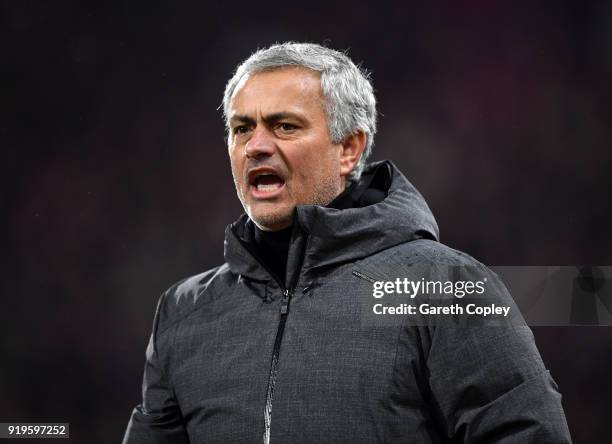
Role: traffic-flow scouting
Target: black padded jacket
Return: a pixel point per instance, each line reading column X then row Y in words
column 238, row 355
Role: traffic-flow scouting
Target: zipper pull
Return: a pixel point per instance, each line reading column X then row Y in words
column 284, row 309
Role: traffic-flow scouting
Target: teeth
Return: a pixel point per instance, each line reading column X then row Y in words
column 271, row 187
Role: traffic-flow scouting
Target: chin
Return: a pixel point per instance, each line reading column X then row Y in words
column 272, row 221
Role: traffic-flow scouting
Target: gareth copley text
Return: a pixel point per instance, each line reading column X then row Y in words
column 455, row 309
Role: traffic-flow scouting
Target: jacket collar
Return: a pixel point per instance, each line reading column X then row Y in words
column 339, row 236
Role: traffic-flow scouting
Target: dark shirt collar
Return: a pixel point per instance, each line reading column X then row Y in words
column 272, row 248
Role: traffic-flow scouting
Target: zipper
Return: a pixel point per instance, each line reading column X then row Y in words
column 284, row 311
column 364, row 276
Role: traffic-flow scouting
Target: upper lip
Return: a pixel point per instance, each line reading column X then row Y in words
column 253, row 173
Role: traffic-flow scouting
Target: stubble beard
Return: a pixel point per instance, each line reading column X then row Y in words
column 325, row 192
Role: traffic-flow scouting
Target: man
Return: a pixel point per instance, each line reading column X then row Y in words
column 271, row 346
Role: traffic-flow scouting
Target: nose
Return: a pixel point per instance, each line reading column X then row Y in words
column 260, row 144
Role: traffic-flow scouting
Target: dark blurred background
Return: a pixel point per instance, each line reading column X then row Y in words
column 116, row 183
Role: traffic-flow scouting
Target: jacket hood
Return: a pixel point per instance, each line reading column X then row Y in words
column 338, row 236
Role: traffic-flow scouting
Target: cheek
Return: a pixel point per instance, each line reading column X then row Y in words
column 236, row 164
column 325, row 161
column 315, row 173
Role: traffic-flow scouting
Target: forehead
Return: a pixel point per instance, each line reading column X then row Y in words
column 285, row 89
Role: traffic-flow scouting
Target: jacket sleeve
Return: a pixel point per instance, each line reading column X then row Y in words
column 158, row 418
column 489, row 384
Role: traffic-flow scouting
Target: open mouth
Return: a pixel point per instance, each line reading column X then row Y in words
column 266, row 184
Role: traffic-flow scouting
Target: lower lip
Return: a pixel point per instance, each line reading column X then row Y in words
column 259, row 194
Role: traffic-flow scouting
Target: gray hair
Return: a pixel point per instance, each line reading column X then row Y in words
column 350, row 104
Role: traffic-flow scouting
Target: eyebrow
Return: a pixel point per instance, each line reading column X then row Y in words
column 242, row 119
column 270, row 118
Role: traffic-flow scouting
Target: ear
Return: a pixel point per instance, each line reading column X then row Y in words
column 352, row 149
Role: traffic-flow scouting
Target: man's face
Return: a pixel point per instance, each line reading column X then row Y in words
column 279, row 146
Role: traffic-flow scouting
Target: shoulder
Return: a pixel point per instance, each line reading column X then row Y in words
column 433, row 260
column 427, row 252
column 189, row 293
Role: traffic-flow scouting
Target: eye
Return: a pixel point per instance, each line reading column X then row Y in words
column 240, row 129
column 287, row 127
